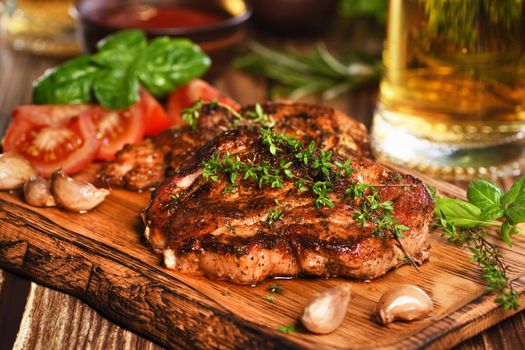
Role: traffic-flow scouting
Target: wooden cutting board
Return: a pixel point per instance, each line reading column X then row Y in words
column 102, row 258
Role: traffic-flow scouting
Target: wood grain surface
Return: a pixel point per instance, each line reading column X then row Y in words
column 31, row 314
column 102, row 258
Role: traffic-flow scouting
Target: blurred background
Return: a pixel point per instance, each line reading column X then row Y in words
column 451, row 80
column 308, row 50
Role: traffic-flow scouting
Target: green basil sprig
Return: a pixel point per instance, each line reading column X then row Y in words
column 487, row 206
column 123, row 62
column 464, row 224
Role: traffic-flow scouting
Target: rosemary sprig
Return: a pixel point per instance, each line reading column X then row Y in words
column 318, row 71
column 464, row 224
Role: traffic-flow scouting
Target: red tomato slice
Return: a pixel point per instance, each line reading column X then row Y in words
column 53, row 137
column 117, row 128
column 184, row 96
column 155, row 117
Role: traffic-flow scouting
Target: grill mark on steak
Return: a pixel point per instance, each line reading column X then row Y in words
column 144, row 166
column 224, row 236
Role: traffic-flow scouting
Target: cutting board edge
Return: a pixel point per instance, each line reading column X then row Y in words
column 466, row 322
column 19, row 253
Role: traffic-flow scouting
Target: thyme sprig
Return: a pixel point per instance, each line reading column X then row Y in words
column 465, row 225
column 276, row 213
column 258, row 116
column 251, row 117
column 274, row 176
column 191, row 114
column 274, row 289
column 328, row 170
column 288, row 329
column 373, row 211
column 379, row 214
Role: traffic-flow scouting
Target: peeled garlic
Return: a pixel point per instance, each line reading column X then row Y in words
column 37, row 192
column 405, row 302
column 75, row 195
column 14, row 171
column 325, row 312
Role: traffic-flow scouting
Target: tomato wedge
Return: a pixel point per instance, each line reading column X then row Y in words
column 117, row 128
column 53, row 137
column 184, row 96
column 155, row 117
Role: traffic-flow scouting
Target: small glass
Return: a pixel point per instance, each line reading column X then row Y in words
column 40, row 26
column 452, row 100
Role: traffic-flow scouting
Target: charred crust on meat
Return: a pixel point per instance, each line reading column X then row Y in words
column 224, row 235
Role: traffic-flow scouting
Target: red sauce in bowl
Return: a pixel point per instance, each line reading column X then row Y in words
column 151, row 17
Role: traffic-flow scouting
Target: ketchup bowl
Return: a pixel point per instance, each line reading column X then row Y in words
column 217, row 26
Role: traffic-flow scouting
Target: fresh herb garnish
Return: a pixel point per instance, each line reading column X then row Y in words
column 275, row 214
column 323, row 183
column 192, row 113
column 270, row 298
column 258, row 116
column 276, row 288
column 322, row 163
column 464, row 224
column 322, row 189
column 287, row 329
column 124, row 61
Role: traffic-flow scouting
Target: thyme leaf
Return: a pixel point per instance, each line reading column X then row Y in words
column 288, row 329
column 191, row 114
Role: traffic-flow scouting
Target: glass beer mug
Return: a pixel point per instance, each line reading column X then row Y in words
column 40, row 26
column 452, row 100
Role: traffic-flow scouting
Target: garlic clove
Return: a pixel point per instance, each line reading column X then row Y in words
column 405, row 302
column 75, row 195
column 37, row 192
column 325, row 312
column 14, row 171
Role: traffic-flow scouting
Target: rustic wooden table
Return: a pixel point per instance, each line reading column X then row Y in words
column 36, row 317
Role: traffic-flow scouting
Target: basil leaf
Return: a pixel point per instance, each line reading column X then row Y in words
column 458, row 213
column 506, row 231
column 491, row 213
column 112, row 75
column 66, row 84
column 517, row 190
column 167, row 63
column 487, row 197
column 116, row 88
column 516, row 211
column 124, row 40
column 120, row 49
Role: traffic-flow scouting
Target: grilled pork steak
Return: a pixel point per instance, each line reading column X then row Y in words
column 244, row 231
column 145, row 165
